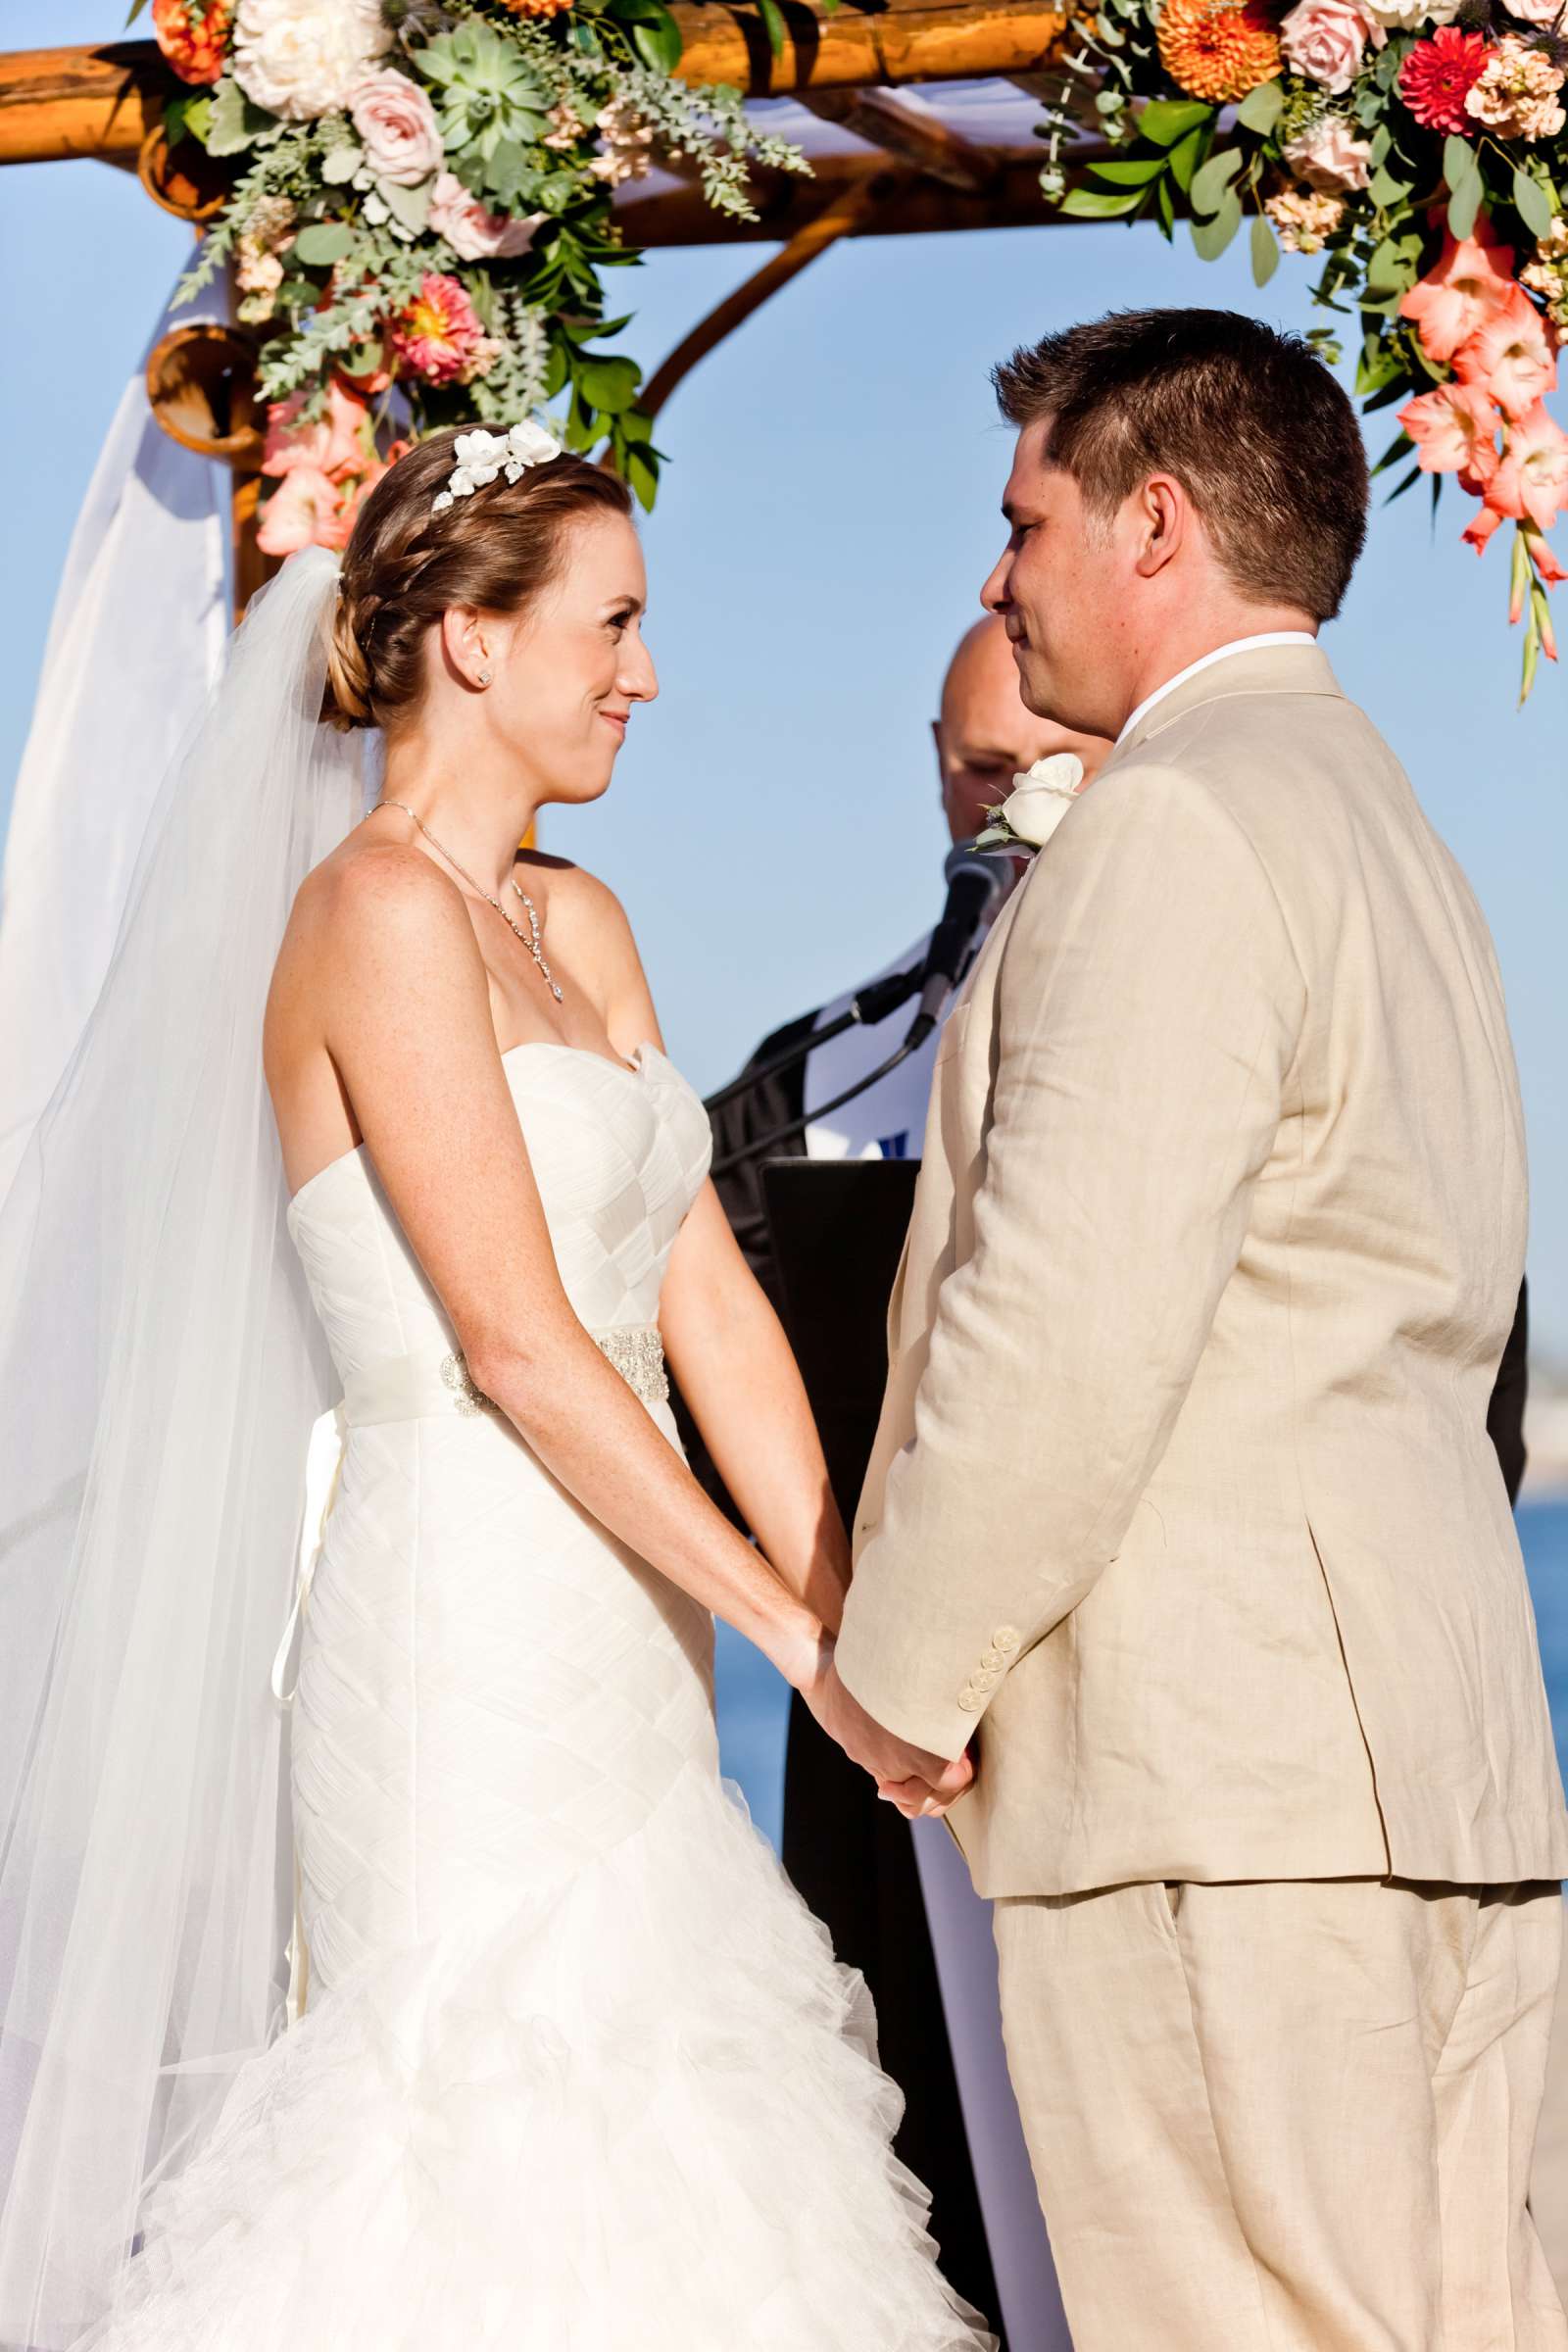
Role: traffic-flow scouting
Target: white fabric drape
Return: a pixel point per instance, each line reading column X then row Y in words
column 133, row 649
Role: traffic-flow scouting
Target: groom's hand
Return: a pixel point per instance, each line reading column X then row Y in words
column 910, row 1777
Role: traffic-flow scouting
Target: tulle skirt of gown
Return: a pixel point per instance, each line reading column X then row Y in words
column 578, row 2071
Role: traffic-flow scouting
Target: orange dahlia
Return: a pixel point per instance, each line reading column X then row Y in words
column 1218, row 49
column 535, row 8
column 194, row 38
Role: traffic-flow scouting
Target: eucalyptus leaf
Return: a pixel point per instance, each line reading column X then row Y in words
column 322, row 243
column 1386, row 71
column 1100, row 203
column 235, row 124
column 1187, row 155
column 1532, row 203
column 1135, row 172
column 1261, row 108
column 1463, row 206
column 1382, row 142
column 1211, row 237
column 408, row 207
column 1266, row 250
column 1459, row 165
column 1211, row 181
column 340, row 164
column 1165, row 121
column 1387, row 188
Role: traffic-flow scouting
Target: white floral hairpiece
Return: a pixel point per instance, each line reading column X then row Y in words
column 482, row 456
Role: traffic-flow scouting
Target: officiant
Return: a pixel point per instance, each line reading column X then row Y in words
column 900, row 1908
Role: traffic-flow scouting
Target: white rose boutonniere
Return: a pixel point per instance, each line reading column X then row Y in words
column 1036, row 806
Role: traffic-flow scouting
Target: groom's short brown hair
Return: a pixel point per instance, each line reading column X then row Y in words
column 1250, row 421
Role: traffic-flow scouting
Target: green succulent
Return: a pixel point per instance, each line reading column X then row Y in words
column 485, row 92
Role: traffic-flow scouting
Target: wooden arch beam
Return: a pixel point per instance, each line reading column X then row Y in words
column 103, row 101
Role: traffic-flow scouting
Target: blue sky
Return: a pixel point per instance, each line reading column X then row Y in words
column 829, row 512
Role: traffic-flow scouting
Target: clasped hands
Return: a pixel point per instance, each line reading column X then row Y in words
column 910, row 1777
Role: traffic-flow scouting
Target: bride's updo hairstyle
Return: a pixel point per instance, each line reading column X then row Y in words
column 406, row 565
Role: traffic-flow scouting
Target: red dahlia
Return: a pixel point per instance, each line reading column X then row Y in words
column 1435, row 75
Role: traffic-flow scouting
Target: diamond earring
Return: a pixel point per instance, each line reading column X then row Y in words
column 484, row 677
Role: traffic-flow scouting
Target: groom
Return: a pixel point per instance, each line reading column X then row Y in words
column 1183, row 1506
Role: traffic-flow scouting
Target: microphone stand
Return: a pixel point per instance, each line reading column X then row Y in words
column 873, row 1004
column 920, row 1029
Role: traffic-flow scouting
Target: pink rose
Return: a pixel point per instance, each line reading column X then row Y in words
column 397, row 127
column 336, row 444
column 1510, row 357
column 1324, row 39
column 304, row 510
column 1329, row 156
column 477, row 235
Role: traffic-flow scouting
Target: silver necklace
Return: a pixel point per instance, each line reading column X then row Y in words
column 529, row 938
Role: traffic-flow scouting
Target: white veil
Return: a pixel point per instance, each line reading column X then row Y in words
column 160, row 1370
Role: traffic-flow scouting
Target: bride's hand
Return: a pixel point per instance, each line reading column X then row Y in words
column 910, row 1777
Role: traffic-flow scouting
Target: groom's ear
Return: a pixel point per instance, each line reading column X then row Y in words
column 1161, row 520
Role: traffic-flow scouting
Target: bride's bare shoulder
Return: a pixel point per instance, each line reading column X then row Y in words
column 581, row 906
column 365, row 882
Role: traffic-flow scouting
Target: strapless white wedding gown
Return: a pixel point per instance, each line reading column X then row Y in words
column 578, row 2071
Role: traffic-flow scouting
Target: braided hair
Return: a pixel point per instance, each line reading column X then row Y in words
column 404, row 567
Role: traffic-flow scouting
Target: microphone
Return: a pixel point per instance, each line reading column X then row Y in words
column 978, row 881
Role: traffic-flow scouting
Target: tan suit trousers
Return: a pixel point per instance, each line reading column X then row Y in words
column 1288, row 2118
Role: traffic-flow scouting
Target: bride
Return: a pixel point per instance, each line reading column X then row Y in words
column 572, row 2067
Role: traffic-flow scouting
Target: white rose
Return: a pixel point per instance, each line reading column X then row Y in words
column 301, row 58
column 1040, row 796
column 1410, row 16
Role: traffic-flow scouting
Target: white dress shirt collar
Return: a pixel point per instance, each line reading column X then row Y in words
column 1221, row 653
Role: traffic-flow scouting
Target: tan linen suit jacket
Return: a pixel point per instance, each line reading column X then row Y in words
column 1181, row 1496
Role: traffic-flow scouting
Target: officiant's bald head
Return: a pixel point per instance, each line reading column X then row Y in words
column 985, row 735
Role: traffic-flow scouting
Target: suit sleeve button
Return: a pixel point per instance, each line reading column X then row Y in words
column 1006, row 1637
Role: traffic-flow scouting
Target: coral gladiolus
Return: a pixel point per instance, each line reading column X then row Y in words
column 1454, row 429
column 1510, row 355
column 304, row 510
column 1471, row 284
column 335, row 445
column 1544, row 558
column 1530, row 484
column 1479, row 529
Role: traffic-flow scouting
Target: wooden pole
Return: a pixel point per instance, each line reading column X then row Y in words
column 104, row 101
column 836, row 220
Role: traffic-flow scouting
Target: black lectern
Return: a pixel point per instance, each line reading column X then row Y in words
column 836, row 1229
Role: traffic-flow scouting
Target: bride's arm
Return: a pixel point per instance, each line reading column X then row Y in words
column 739, row 1377
column 725, row 1345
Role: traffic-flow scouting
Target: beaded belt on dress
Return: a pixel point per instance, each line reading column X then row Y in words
column 416, row 1388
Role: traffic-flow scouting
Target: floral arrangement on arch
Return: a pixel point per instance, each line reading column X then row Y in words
column 1417, row 146
column 420, row 215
